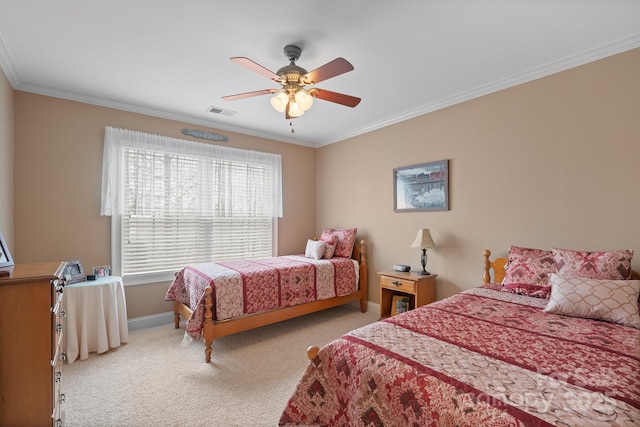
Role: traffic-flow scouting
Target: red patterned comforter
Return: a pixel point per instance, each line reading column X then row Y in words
column 479, row 358
column 251, row 286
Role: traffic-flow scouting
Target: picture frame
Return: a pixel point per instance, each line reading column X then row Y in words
column 400, row 304
column 5, row 256
column 71, row 271
column 422, row 187
column 102, row 271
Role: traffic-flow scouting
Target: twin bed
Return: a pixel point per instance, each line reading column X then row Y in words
column 219, row 299
column 490, row 356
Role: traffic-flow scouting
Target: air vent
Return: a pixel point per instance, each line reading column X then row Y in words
column 221, row 111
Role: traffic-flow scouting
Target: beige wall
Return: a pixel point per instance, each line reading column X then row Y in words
column 6, row 160
column 58, row 167
column 551, row 163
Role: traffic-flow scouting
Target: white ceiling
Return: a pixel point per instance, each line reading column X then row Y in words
column 171, row 58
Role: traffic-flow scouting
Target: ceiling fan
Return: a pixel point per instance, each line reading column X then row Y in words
column 293, row 98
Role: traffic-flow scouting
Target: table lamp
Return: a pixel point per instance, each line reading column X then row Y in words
column 423, row 241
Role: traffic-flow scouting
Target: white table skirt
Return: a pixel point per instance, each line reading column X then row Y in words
column 96, row 317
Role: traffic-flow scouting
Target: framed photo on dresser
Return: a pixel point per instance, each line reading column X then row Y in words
column 71, row 271
column 5, row 255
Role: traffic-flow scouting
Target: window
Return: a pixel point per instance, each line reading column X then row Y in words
column 175, row 202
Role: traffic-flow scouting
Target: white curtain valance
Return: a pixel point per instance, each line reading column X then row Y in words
column 116, row 139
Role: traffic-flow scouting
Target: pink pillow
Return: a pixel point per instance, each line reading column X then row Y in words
column 611, row 265
column 527, row 266
column 346, row 240
column 331, row 241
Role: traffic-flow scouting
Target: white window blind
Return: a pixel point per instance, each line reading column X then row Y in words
column 182, row 202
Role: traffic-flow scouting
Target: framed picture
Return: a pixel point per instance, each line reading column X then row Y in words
column 71, row 271
column 102, row 271
column 400, row 304
column 5, row 255
column 423, row 187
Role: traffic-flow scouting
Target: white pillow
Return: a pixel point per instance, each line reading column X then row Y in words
column 315, row 249
column 611, row 300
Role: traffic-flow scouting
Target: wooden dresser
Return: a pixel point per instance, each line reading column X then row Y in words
column 31, row 346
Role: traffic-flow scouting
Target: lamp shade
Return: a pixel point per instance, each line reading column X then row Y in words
column 279, row 102
column 303, row 99
column 294, row 109
column 423, row 240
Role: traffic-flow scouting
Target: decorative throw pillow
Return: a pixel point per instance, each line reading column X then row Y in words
column 315, row 249
column 346, row 240
column 611, row 300
column 527, row 266
column 594, row 265
column 331, row 243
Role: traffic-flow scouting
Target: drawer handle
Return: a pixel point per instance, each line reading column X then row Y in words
column 396, row 283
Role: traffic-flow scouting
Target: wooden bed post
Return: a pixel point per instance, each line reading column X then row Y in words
column 176, row 316
column 486, row 277
column 363, row 277
column 208, row 326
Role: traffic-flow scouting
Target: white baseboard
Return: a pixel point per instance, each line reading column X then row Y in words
column 150, row 321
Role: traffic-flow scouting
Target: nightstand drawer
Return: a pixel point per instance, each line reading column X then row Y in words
column 398, row 284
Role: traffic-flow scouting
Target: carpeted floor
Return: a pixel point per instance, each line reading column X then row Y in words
column 153, row 381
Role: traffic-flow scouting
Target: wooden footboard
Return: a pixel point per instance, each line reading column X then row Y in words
column 216, row 329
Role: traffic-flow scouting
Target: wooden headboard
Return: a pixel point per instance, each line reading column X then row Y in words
column 497, row 265
column 498, row 269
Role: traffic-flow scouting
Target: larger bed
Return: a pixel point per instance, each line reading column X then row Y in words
column 219, row 299
column 489, row 356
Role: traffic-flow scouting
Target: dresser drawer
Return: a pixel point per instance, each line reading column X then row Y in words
column 398, row 284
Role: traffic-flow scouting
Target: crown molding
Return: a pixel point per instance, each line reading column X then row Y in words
column 153, row 112
column 7, row 66
column 533, row 74
column 498, row 85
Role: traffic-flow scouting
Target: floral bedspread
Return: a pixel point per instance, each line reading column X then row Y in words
column 255, row 285
column 479, row 358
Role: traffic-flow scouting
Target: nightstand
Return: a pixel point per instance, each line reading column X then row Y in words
column 420, row 290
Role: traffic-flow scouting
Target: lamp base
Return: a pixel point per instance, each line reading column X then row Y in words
column 424, row 273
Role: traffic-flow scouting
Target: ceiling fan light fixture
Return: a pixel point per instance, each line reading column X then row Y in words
column 279, row 102
column 292, row 98
column 303, row 99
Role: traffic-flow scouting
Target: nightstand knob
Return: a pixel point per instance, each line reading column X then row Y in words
column 396, row 283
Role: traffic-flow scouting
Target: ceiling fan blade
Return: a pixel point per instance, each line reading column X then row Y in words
column 338, row 98
column 254, row 66
column 330, row 69
column 249, row 94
